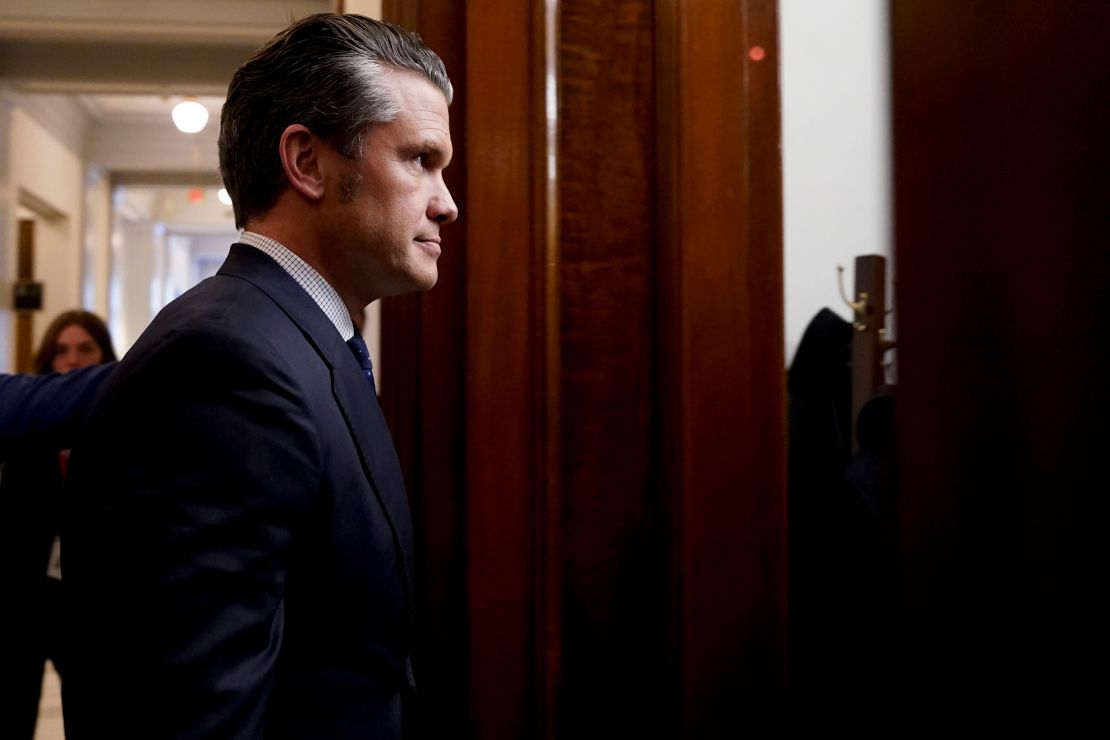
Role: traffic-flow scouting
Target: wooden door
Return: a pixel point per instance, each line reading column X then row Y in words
column 590, row 406
column 1000, row 114
column 24, row 317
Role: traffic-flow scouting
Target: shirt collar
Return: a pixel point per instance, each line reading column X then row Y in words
column 313, row 283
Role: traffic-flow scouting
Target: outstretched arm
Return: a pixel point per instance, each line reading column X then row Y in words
column 45, row 411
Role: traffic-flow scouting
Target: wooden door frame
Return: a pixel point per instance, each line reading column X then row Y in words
column 719, row 404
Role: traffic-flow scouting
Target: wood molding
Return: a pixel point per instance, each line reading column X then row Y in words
column 504, row 424
column 723, row 387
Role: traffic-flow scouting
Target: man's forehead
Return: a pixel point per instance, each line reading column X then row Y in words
column 415, row 88
column 425, row 107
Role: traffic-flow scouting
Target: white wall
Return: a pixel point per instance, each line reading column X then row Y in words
column 8, row 245
column 43, row 175
column 138, row 261
column 368, row 8
column 835, row 149
column 98, row 228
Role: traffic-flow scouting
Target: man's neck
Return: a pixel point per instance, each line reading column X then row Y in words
column 295, row 233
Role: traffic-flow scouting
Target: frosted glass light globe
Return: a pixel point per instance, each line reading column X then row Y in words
column 190, row 116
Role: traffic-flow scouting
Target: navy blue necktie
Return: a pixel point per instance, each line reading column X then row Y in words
column 362, row 354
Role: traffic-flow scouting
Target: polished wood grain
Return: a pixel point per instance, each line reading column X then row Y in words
column 614, row 615
column 623, row 397
column 724, row 386
column 504, row 424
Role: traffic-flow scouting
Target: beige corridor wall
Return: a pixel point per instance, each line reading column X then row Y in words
column 369, row 8
column 48, row 177
column 44, row 176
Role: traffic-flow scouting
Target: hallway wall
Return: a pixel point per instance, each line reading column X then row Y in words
column 41, row 172
column 835, row 149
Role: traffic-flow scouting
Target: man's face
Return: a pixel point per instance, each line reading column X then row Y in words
column 390, row 203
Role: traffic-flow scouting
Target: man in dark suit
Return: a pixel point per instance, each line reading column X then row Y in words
column 238, row 543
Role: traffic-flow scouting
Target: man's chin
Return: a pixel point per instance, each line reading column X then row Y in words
column 428, row 277
column 414, row 284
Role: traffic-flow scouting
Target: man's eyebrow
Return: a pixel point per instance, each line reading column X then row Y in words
column 431, row 144
column 435, row 147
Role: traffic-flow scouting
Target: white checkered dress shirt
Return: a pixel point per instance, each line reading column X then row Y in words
column 315, row 285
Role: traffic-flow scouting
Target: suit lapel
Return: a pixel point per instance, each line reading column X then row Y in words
column 354, row 396
column 359, row 405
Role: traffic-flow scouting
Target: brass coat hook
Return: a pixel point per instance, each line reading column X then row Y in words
column 859, row 308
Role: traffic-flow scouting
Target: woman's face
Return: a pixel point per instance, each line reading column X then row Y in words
column 75, row 349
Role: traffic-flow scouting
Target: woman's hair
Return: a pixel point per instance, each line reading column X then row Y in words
column 90, row 322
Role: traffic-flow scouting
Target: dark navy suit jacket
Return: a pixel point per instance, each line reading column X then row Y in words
column 237, row 542
column 44, row 412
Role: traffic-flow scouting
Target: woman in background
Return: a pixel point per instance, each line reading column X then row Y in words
column 74, row 340
column 30, row 493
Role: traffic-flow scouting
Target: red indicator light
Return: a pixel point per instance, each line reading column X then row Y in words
column 756, row 53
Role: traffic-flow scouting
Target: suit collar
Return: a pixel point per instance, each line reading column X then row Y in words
column 321, row 291
column 258, row 268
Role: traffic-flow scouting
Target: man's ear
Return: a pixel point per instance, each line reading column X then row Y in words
column 300, row 157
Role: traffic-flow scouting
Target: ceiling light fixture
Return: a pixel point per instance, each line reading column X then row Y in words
column 190, row 116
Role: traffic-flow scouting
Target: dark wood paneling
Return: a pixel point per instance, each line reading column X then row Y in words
column 721, row 265
column 24, row 320
column 1000, row 118
column 504, row 432
column 612, row 547
column 623, row 481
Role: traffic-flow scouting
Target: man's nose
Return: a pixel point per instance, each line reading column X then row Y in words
column 443, row 208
